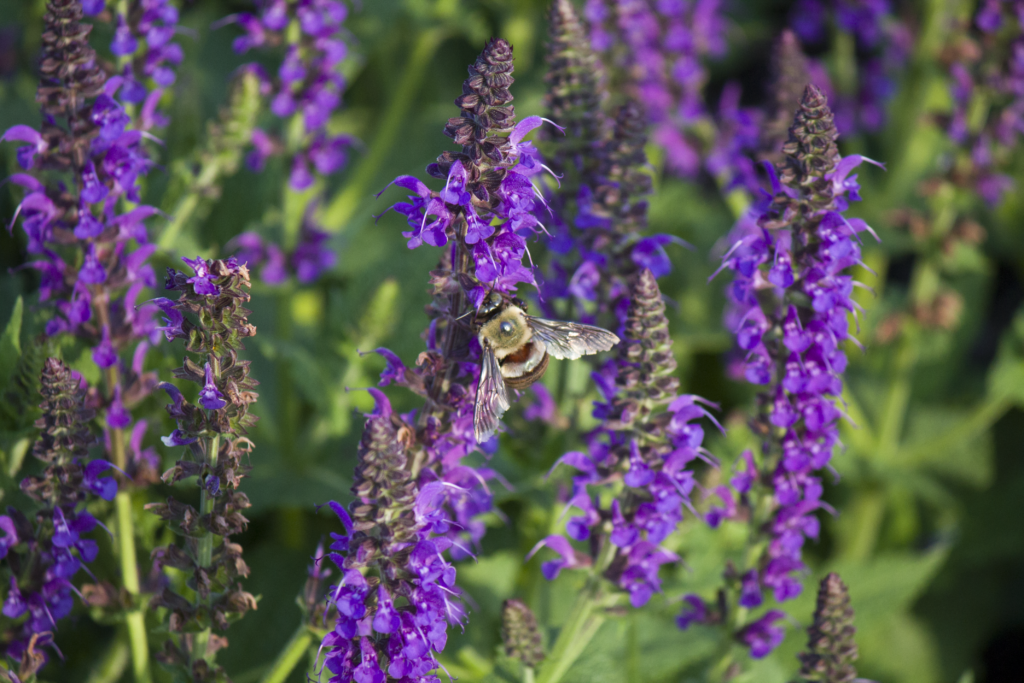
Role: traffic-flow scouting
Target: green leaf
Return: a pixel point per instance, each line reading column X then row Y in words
column 10, row 344
column 967, row 458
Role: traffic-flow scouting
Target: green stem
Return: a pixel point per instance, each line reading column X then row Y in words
column 290, row 656
column 135, row 617
column 205, row 549
column 867, row 510
column 344, row 205
column 188, row 204
column 898, row 398
column 581, row 626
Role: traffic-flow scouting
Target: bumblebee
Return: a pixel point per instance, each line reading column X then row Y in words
column 516, row 349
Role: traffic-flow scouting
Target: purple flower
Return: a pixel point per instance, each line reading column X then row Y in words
column 210, row 396
column 694, row 611
column 649, row 253
column 177, row 438
column 311, row 256
column 762, row 636
column 26, row 155
column 104, row 354
column 201, row 282
column 124, row 42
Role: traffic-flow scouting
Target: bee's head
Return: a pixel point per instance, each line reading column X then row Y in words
column 490, row 306
column 506, row 332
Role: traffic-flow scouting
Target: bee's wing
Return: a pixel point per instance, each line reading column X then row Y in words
column 571, row 340
column 491, row 397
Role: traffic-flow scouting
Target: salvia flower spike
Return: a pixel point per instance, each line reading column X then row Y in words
column 45, row 550
column 643, row 449
column 396, row 593
column 308, row 86
column 791, row 305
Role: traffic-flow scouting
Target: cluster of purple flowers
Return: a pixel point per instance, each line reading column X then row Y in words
column 83, row 235
column 45, row 550
column 988, row 63
column 882, row 47
column 309, row 85
column 143, row 44
column 641, row 450
column 397, row 593
column 791, row 301
column 660, row 44
column 599, row 209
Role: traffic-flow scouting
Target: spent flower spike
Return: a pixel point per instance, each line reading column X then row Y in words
column 215, row 433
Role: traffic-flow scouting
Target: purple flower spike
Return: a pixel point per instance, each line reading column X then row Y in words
column 55, row 536
column 308, row 83
column 800, row 248
column 646, row 450
column 210, row 396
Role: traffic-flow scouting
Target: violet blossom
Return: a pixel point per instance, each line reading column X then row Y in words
column 143, row 44
column 309, row 86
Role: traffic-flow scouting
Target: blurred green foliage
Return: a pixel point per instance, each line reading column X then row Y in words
column 930, row 491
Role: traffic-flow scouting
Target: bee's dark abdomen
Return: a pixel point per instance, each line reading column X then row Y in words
column 526, row 379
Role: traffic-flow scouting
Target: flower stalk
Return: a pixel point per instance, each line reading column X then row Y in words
column 213, row 300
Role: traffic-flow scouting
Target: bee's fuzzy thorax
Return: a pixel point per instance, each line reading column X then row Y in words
column 505, row 343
